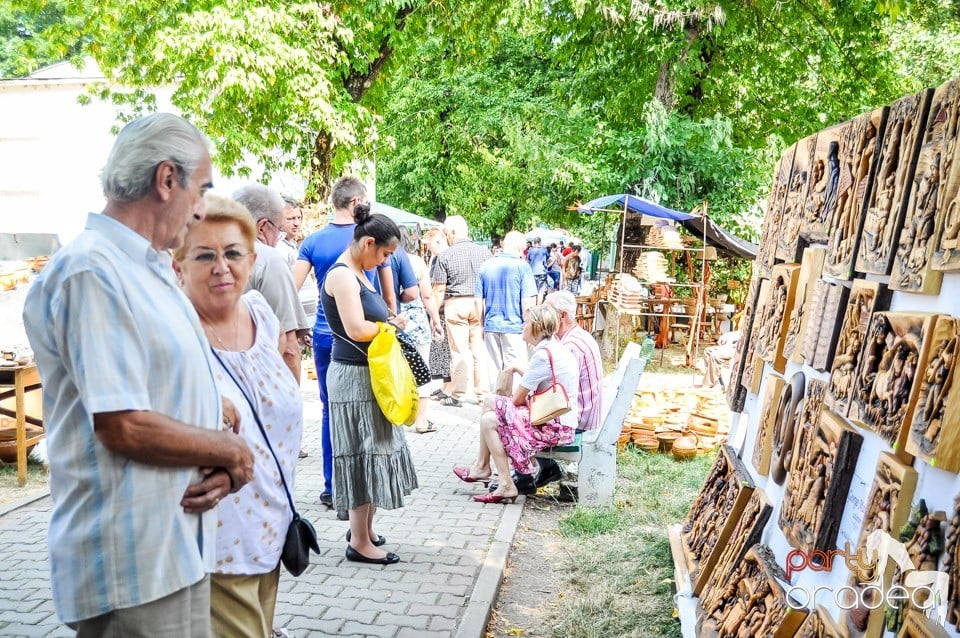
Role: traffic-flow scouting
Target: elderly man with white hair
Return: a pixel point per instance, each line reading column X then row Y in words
column 272, row 276
column 455, row 277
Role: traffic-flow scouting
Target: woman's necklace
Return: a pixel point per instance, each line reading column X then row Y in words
column 236, row 347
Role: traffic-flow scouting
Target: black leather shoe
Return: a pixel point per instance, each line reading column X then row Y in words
column 357, row 557
column 524, row 482
column 326, row 498
column 549, row 472
column 380, row 540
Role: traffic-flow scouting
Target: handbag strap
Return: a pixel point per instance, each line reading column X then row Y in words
column 263, row 432
column 553, row 372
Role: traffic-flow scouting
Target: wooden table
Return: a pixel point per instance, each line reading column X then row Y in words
column 16, row 382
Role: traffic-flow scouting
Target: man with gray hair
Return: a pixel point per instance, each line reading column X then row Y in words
column 139, row 456
column 271, row 275
column 455, row 276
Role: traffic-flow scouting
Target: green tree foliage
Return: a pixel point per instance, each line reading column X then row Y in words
column 25, row 44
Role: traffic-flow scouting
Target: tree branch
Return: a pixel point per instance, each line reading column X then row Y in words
column 357, row 83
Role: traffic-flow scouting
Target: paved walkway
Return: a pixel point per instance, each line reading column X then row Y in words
column 452, row 551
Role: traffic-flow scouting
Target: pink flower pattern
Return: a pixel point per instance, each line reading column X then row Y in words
column 522, row 440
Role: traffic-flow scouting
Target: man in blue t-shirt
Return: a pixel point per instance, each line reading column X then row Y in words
column 320, row 251
column 507, row 287
column 537, row 257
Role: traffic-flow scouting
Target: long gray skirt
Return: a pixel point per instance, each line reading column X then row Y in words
column 371, row 460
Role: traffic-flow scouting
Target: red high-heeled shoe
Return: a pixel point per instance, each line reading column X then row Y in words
column 495, row 498
column 463, row 473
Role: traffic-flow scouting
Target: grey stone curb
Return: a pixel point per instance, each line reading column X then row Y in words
column 473, row 624
column 6, row 509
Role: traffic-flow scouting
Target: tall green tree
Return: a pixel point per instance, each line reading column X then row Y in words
column 25, row 44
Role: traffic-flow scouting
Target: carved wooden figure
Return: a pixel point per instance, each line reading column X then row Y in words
column 859, row 145
column 944, row 124
column 715, row 512
column 776, row 315
column 922, row 537
column 763, row 447
column 895, row 352
column 819, row 624
column 766, row 254
column 820, row 203
column 810, row 268
column 888, row 508
column 747, row 532
column 752, row 365
column 737, row 393
column 784, row 430
column 865, row 297
column 930, row 197
column 752, row 601
column 789, row 243
column 890, row 194
column 916, row 625
column 816, row 493
column 935, row 428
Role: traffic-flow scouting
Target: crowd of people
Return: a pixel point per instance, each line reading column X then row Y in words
column 168, row 337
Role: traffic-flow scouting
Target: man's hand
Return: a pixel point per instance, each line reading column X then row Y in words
column 231, row 417
column 206, row 494
column 241, row 468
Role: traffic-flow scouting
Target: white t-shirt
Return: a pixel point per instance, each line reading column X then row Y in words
column 538, row 376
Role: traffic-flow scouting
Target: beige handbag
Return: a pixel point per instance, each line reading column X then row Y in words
column 547, row 405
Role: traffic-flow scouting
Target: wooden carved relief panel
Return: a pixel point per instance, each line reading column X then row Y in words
column 819, row 624
column 752, row 364
column 951, row 564
column 865, row 297
column 809, row 273
column 891, row 188
column 776, row 315
column 766, row 253
column 821, row 200
column 752, row 602
column 788, row 240
column 916, row 625
column 945, row 120
column 888, row 508
column 935, row 429
column 816, row 493
column 763, row 446
column 930, row 197
column 745, row 534
column 784, row 430
column 714, row 514
column 737, row 393
column 922, row 537
column 859, row 146
column 886, row 388
column 823, row 326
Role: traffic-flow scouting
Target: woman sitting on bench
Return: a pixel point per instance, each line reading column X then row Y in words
column 505, row 428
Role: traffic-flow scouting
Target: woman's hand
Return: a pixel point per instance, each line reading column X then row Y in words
column 400, row 321
column 231, row 418
column 206, row 494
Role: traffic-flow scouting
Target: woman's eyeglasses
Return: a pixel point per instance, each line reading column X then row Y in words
column 210, row 256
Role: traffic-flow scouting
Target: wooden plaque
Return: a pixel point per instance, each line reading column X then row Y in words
column 830, row 317
column 789, row 244
column 752, row 602
column 747, row 376
column 819, row 624
column 951, row 564
column 817, row 490
column 916, row 625
column 714, row 514
column 775, row 317
column 890, row 193
column 935, row 426
column 736, row 392
column 944, row 116
column 820, row 203
column 766, row 253
column 745, row 534
column 763, row 447
column 811, row 335
column 784, row 429
column 865, row 297
column 859, row 145
column 885, row 390
column 809, row 273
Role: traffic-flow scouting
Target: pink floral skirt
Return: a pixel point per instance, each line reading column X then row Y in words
column 522, row 440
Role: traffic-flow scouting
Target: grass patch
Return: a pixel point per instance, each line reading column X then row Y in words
column 618, row 559
column 37, row 479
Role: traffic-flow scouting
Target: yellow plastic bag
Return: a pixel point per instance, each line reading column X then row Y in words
column 391, row 378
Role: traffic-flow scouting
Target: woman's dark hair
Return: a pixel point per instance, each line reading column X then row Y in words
column 383, row 230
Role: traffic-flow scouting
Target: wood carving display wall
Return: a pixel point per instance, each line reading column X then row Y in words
column 890, row 194
column 935, row 430
column 714, row 514
column 859, row 146
column 736, row 392
column 763, row 447
column 753, row 365
column 745, row 534
column 888, row 508
column 885, row 389
column 820, row 203
column 766, row 254
column 813, row 502
column 809, row 273
column 752, row 602
column 788, row 239
column 930, row 197
column 865, row 297
column 819, row 624
column 776, row 315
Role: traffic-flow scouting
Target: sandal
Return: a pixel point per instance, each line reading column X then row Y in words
column 450, row 402
column 430, row 428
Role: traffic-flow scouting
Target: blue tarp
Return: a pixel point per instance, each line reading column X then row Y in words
column 635, row 204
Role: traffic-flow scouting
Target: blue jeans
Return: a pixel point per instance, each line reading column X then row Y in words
column 322, row 348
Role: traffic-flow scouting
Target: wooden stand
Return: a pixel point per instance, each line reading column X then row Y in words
column 16, row 383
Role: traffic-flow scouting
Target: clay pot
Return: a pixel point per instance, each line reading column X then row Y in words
column 666, row 440
column 685, row 447
column 649, row 445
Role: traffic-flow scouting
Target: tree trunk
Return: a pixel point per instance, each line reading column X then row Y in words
column 321, row 172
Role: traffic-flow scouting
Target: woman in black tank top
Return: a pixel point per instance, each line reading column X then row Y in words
column 372, row 467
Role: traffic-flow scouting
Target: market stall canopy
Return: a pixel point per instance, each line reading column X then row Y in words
column 402, row 217
column 725, row 242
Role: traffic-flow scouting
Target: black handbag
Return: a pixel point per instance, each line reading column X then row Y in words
column 301, row 536
column 419, row 368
